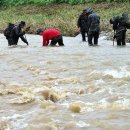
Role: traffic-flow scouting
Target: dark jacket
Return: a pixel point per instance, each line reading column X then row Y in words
column 120, row 24
column 94, row 22
column 83, row 22
column 15, row 34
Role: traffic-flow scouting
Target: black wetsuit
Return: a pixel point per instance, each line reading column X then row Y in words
column 94, row 28
column 83, row 24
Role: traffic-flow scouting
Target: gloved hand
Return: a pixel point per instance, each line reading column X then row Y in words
column 23, row 32
column 27, row 43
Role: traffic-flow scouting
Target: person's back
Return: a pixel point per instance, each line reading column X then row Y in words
column 122, row 21
column 94, row 22
column 114, row 21
column 120, row 25
column 50, row 33
column 82, row 24
column 8, row 30
column 16, row 33
column 94, row 27
column 7, row 33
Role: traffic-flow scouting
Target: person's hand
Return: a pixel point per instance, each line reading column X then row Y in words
column 27, row 43
column 23, row 32
column 78, row 29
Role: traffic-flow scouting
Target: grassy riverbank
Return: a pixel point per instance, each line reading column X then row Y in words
column 60, row 16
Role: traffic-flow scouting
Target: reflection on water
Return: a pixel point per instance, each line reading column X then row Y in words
column 75, row 87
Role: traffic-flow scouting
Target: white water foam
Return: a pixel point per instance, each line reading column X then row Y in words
column 118, row 73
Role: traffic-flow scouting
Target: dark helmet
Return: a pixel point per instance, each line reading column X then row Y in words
column 22, row 23
column 89, row 10
column 38, row 31
column 84, row 10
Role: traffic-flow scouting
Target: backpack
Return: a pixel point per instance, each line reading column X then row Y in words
column 125, row 20
column 114, row 21
column 8, row 30
column 122, row 21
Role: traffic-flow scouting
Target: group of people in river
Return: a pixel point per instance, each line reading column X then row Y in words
column 14, row 32
column 88, row 24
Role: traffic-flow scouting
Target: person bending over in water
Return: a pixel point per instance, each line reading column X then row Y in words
column 51, row 34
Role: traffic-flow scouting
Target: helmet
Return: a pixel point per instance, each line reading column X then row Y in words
column 22, row 23
column 38, row 31
column 89, row 10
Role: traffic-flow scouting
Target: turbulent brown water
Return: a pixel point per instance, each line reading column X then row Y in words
column 75, row 87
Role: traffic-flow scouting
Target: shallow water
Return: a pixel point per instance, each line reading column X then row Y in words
column 38, row 85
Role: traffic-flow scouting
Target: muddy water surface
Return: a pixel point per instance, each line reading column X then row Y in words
column 75, row 87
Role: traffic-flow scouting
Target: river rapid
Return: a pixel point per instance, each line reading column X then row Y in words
column 75, row 87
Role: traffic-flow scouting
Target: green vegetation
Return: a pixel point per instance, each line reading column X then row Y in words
column 45, row 2
column 60, row 16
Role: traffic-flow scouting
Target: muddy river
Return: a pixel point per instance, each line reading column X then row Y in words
column 75, row 87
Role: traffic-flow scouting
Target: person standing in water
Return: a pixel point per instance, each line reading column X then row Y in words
column 120, row 26
column 17, row 33
column 93, row 27
column 82, row 24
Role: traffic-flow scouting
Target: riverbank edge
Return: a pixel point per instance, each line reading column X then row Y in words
column 60, row 16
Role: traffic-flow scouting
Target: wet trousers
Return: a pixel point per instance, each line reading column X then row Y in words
column 83, row 34
column 11, row 42
column 120, row 38
column 58, row 39
column 93, row 35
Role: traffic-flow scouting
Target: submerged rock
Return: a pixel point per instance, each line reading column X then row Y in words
column 74, row 107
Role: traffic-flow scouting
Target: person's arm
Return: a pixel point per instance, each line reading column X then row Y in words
column 99, row 19
column 45, row 40
column 24, row 39
column 79, row 22
column 18, row 32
